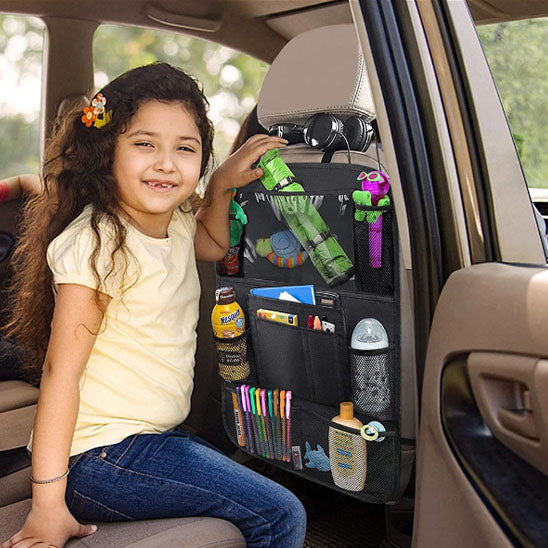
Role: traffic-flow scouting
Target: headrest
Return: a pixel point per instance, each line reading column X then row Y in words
column 321, row 70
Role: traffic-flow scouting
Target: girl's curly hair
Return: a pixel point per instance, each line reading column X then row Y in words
column 77, row 172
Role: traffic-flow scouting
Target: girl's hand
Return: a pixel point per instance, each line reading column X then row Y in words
column 48, row 527
column 236, row 170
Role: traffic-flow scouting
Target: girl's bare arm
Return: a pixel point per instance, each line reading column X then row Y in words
column 76, row 321
column 13, row 187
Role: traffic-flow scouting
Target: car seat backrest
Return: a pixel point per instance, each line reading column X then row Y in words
column 319, row 71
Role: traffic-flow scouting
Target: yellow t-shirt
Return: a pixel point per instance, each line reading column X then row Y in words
column 139, row 376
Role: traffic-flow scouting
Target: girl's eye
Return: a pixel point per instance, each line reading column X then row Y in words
column 185, row 148
column 143, row 144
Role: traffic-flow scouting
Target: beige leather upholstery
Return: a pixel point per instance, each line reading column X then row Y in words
column 160, row 533
column 298, row 85
column 17, row 405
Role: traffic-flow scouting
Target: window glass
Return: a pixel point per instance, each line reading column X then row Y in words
column 21, row 45
column 231, row 79
column 516, row 52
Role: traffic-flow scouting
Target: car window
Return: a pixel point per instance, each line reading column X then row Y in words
column 516, row 52
column 231, row 79
column 21, row 45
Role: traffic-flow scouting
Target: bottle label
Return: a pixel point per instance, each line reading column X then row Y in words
column 230, row 317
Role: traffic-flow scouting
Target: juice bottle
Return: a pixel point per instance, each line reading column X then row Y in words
column 228, row 322
column 347, row 452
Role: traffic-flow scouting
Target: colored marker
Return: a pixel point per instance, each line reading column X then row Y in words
column 278, row 424
column 268, row 427
column 251, row 392
column 282, row 415
column 270, row 398
column 247, row 424
column 238, row 420
column 288, row 415
column 317, row 323
column 250, row 413
column 260, row 423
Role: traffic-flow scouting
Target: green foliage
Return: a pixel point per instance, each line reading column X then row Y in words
column 516, row 52
column 19, row 145
column 231, row 80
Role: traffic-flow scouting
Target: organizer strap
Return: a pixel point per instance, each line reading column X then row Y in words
column 385, row 434
column 318, row 239
column 284, row 182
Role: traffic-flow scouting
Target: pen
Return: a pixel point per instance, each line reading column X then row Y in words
column 251, row 393
column 238, row 419
column 260, row 423
column 277, row 423
column 288, row 414
column 268, row 428
column 317, row 323
column 282, row 418
column 270, row 397
column 247, row 424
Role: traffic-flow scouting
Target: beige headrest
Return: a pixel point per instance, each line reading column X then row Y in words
column 321, row 70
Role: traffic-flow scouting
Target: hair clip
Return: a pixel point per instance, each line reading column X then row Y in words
column 95, row 114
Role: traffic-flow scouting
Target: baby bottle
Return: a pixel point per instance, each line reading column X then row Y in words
column 228, row 322
column 347, row 452
column 370, row 368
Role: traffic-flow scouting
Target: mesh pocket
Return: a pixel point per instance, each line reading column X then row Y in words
column 341, row 457
column 372, row 379
column 233, row 357
column 310, row 445
column 374, row 250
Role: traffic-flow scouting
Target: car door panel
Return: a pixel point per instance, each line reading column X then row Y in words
column 487, row 342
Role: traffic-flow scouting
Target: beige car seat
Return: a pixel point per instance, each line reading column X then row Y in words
column 17, row 407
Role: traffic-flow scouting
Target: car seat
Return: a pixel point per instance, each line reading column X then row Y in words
column 17, row 408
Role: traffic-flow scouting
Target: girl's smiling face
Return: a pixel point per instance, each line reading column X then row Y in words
column 157, row 164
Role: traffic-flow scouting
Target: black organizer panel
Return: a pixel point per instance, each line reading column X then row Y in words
column 330, row 189
column 300, row 365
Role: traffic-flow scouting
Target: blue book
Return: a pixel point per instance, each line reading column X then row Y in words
column 302, row 293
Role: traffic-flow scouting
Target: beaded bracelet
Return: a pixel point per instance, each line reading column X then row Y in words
column 58, row 478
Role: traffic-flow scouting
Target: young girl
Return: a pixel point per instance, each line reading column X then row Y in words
column 117, row 376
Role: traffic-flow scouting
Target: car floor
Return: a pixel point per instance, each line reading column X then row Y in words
column 334, row 519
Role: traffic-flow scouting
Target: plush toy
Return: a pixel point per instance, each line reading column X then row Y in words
column 363, row 198
column 282, row 249
column 230, row 264
column 238, row 219
column 317, row 458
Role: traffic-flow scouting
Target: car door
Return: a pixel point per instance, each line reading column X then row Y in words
column 478, row 274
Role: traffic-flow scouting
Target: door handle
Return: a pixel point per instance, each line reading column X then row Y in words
column 510, row 391
column 519, row 421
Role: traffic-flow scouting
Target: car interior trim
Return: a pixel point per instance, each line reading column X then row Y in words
column 514, row 491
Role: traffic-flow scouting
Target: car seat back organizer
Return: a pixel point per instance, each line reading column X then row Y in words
column 283, row 409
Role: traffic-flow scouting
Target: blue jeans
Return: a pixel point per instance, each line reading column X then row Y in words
column 177, row 474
